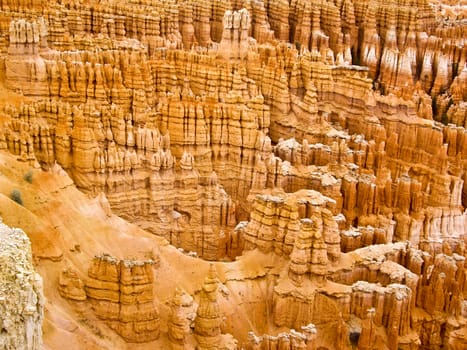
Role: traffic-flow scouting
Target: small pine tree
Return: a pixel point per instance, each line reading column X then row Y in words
column 383, row 90
column 354, row 336
column 444, row 119
column 16, row 196
column 28, row 177
column 434, row 106
column 450, row 103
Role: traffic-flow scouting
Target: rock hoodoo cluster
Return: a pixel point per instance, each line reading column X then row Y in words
column 314, row 152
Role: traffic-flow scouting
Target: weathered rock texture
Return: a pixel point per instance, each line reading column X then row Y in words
column 207, row 324
column 21, row 298
column 287, row 341
column 180, row 320
column 326, row 138
column 121, row 294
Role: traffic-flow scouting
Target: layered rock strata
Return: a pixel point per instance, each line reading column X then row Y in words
column 207, row 324
column 181, row 319
column 121, row 294
column 323, row 126
column 379, row 275
column 288, row 110
column 25, row 69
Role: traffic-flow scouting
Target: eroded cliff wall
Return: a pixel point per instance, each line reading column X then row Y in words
column 320, row 143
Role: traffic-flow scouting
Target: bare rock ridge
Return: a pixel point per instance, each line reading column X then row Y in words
column 21, row 296
column 313, row 151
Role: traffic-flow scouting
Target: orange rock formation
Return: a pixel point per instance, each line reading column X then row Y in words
column 313, row 151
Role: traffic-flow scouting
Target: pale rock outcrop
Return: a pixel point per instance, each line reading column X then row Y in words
column 234, row 43
column 293, row 340
column 21, row 296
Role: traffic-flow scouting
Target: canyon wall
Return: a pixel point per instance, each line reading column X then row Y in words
column 328, row 136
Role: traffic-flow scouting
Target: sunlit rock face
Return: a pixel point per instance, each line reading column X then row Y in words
column 21, row 295
column 313, row 151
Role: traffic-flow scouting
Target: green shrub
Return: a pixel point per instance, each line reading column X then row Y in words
column 354, row 336
column 444, row 119
column 434, row 107
column 28, row 176
column 16, row 196
column 383, row 89
column 450, row 103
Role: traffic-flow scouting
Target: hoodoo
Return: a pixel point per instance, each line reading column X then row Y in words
column 240, row 174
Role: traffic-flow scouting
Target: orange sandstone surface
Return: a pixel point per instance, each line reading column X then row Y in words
column 208, row 174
